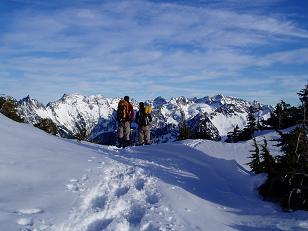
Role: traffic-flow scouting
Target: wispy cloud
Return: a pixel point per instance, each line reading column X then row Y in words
column 129, row 45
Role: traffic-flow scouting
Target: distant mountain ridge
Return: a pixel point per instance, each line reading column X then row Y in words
column 96, row 115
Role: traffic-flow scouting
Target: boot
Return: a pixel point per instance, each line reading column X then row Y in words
column 126, row 143
column 120, row 143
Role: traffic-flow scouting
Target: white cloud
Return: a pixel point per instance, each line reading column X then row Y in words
column 296, row 56
column 144, row 43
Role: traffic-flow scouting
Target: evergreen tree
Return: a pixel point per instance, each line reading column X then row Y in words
column 282, row 113
column 48, row 126
column 233, row 137
column 255, row 163
column 8, row 107
column 81, row 135
column 288, row 180
column 268, row 161
column 284, row 116
column 248, row 132
column 303, row 97
column 293, row 167
column 184, row 130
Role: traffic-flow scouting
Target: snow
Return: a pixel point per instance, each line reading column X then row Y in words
column 225, row 124
column 49, row 183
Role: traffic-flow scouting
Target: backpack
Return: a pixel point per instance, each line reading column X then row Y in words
column 144, row 119
column 122, row 112
column 148, row 109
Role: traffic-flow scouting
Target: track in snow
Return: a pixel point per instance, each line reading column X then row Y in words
column 125, row 198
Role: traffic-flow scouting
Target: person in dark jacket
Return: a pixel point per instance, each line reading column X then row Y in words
column 125, row 115
column 144, row 119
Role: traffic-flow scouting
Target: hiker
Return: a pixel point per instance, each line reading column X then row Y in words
column 125, row 115
column 143, row 119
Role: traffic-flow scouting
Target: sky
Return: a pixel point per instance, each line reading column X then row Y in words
column 255, row 50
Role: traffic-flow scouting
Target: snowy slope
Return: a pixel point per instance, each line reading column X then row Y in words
column 48, row 183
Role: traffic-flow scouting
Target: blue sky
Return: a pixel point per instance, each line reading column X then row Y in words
column 249, row 49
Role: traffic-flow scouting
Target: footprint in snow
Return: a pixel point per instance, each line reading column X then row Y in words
column 99, row 225
column 136, row 214
column 139, row 184
column 152, row 199
column 99, row 203
column 121, row 191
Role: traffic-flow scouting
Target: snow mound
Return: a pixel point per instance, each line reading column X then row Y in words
column 49, row 183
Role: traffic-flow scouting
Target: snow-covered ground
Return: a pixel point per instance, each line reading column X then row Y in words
column 49, row 183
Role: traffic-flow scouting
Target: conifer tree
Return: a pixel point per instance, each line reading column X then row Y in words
column 184, row 131
column 255, row 163
column 288, row 180
column 303, row 97
column 283, row 116
column 268, row 161
column 81, row 135
column 8, row 108
column 281, row 113
column 48, row 126
column 233, row 137
column 248, row 132
column 293, row 167
column 251, row 124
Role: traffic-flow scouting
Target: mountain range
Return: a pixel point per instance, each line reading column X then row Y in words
column 96, row 115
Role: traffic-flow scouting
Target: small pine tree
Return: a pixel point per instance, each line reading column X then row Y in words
column 8, row 107
column 184, row 130
column 281, row 112
column 268, row 161
column 82, row 135
column 233, row 137
column 303, row 97
column 48, row 126
column 255, row 163
column 251, row 124
column 248, row 132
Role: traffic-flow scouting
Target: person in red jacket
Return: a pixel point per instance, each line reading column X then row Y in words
column 125, row 115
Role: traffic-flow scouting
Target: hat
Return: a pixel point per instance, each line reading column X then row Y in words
column 126, row 98
column 141, row 104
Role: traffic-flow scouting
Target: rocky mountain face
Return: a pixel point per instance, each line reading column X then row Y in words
column 95, row 116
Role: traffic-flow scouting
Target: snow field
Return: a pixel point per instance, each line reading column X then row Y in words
column 52, row 184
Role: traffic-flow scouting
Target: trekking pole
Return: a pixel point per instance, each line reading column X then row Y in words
column 131, row 134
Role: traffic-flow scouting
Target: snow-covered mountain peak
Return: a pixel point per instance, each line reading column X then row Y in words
column 219, row 98
column 159, row 101
column 181, row 100
column 29, row 104
column 29, row 100
column 74, row 113
column 223, row 100
column 71, row 97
